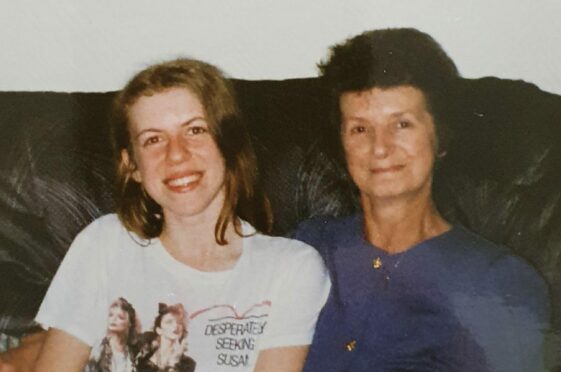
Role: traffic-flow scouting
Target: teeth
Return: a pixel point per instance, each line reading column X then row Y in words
column 184, row 181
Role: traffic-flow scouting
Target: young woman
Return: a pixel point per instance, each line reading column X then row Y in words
column 187, row 204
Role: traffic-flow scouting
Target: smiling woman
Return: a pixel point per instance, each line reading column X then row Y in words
column 148, row 115
column 389, row 141
column 411, row 292
column 184, row 247
column 175, row 157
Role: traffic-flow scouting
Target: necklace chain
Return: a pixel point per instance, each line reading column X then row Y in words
column 378, row 264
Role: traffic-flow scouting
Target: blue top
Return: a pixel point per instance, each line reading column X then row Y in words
column 455, row 302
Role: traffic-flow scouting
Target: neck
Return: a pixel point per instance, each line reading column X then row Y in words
column 117, row 342
column 162, row 357
column 192, row 241
column 397, row 225
column 165, row 345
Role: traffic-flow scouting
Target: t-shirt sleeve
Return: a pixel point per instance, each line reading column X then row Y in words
column 72, row 302
column 302, row 292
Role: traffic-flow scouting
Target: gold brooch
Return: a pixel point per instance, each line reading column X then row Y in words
column 350, row 346
column 377, row 263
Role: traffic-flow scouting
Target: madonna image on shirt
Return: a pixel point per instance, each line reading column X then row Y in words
column 165, row 347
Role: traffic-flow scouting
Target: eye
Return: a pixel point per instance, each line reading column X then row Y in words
column 194, row 130
column 151, row 140
column 358, row 129
column 402, row 124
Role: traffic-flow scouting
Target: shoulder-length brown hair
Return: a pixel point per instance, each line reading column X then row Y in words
column 137, row 211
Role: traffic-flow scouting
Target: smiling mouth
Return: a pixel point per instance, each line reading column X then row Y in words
column 386, row 170
column 183, row 182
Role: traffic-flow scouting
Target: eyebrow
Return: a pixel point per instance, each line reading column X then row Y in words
column 185, row 124
column 365, row 118
column 356, row 118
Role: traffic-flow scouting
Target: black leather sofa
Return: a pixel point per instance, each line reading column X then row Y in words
column 501, row 177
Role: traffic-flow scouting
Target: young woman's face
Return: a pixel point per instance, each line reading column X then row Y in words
column 177, row 160
column 170, row 328
column 118, row 320
column 389, row 141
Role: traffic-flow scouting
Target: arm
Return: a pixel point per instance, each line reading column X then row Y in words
column 302, row 292
column 282, row 359
column 509, row 317
column 61, row 352
column 72, row 309
column 526, row 313
column 23, row 358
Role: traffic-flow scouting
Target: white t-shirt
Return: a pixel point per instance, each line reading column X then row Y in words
column 270, row 298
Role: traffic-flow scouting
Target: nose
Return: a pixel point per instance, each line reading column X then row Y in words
column 382, row 143
column 177, row 150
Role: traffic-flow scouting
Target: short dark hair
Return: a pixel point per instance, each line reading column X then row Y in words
column 388, row 58
column 243, row 197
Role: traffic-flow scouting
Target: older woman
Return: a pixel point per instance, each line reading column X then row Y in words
column 411, row 292
column 184, row 233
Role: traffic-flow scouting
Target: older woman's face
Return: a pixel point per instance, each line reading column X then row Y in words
column 389, row 141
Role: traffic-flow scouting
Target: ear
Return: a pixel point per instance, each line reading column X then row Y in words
column 128, row 163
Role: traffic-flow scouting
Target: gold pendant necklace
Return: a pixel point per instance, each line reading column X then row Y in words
column 378, row 264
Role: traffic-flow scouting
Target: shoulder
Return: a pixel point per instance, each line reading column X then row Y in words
column 186, row 363
column 498, row 268
column 290, row 267
column 324, row 228
column 108, row 223
column 104, row 233
column 476, row 250
column 464, row 250
column 506, row 301
column 281, row 254
column 281, row 249
column 323, row 223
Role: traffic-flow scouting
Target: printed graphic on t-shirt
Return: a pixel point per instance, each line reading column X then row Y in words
column 235, row 334
column 230, row 334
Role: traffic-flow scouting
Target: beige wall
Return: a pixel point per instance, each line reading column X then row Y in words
column 94, row 45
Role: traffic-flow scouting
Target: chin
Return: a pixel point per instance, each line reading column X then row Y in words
column 192, row 209
column 391, row 193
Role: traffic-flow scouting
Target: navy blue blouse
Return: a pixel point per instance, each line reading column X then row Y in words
column 455, row 302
